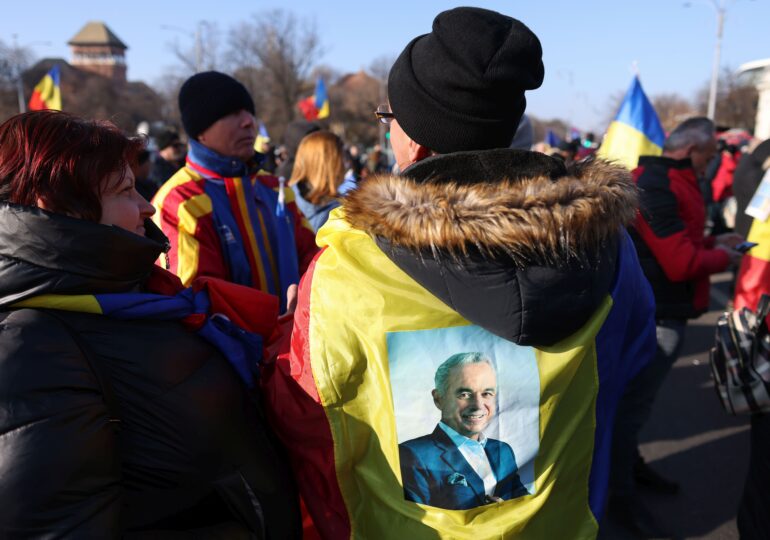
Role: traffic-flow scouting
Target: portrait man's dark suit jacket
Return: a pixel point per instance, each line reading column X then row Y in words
column 435, row 473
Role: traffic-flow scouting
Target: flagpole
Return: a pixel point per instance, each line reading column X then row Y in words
column 19, row 83
column 18, row 62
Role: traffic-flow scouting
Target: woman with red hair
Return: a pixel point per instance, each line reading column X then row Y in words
column 125, row 407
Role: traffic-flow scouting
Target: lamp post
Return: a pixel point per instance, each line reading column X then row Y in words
column 719, row 7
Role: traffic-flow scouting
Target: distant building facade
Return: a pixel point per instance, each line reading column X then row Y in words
column 96, row 49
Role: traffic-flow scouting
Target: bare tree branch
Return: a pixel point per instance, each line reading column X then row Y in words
column 282, row 49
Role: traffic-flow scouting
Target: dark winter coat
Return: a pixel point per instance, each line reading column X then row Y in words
column 668, row 233
column 114, row 428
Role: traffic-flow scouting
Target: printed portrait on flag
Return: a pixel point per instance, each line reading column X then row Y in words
column 466, row 404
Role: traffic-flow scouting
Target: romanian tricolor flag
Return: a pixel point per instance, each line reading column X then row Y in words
column 316, row 106
column 636, row 130
column 47, row 93
column 355, row 389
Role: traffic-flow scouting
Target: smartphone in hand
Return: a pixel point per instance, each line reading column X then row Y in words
column 743, row 247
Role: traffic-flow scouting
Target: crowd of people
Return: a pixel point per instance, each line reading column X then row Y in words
column 212, row 342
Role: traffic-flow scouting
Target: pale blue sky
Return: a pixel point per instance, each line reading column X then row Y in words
column 589, row 45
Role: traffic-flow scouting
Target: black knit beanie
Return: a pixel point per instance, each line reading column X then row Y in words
column 461, row 87
column 206, row 97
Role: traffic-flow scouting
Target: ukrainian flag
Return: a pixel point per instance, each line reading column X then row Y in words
column 47, row 93
column 636, row 130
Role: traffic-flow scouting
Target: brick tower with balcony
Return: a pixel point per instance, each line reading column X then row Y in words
column 98, row 50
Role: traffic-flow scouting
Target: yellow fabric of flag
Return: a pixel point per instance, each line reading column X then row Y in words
column 350, row 365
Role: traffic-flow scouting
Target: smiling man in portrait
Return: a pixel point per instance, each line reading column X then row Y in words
column 457, row 467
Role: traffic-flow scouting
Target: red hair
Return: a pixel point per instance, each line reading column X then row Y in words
column 62, row 160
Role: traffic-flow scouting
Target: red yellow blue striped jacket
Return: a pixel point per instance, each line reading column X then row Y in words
column 185, row 213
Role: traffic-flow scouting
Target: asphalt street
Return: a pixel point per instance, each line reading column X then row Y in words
column 691, row 439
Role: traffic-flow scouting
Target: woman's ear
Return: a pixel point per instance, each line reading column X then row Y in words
column 41, row 203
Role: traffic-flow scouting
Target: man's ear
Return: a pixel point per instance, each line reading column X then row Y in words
column 418, row 152
column 436, row 397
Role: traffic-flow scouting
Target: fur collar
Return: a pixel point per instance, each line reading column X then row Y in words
column 533, row 218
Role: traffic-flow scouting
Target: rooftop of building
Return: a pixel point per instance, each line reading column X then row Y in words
column 96, row 33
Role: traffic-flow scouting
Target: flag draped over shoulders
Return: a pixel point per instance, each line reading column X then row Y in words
column 334, row 397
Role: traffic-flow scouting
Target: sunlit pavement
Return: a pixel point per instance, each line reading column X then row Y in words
column 692, row 440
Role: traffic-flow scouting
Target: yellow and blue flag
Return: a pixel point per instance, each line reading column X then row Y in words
column 47, row 93
column 262, row 140
column 636, row 130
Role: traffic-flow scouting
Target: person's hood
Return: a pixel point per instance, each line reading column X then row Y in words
column 512, row 240
column 46, row 253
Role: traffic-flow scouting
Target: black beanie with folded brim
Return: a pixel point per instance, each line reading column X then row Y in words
column 208, row 96
column 461, row 87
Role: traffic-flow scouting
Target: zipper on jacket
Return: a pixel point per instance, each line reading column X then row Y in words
column 166, row 249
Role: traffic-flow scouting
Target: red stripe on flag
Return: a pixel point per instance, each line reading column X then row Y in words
column 299, row 419
column 308, row 108
column 753, row 280
column 36, row 102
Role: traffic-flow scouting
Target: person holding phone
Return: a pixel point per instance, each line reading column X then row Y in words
column 677, row 260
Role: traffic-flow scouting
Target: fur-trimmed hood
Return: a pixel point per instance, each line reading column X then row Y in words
column 496, row 232
column 553, row 214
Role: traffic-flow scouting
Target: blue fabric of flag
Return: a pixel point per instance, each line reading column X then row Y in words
column 624, row 344
column 242, row 349
column 54, row 73
column 321, row 96
column 637, row 112
column 551, row 139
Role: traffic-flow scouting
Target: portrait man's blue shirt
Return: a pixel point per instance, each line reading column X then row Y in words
column 435, row 472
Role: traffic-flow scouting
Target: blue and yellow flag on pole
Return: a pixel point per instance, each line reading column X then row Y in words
column 47, row 93
column 636, row 130
column 263, row 139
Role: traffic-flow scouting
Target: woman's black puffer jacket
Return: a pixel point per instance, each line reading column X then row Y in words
column 111, row 428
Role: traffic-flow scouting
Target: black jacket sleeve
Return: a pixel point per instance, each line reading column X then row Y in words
column 59, row 465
